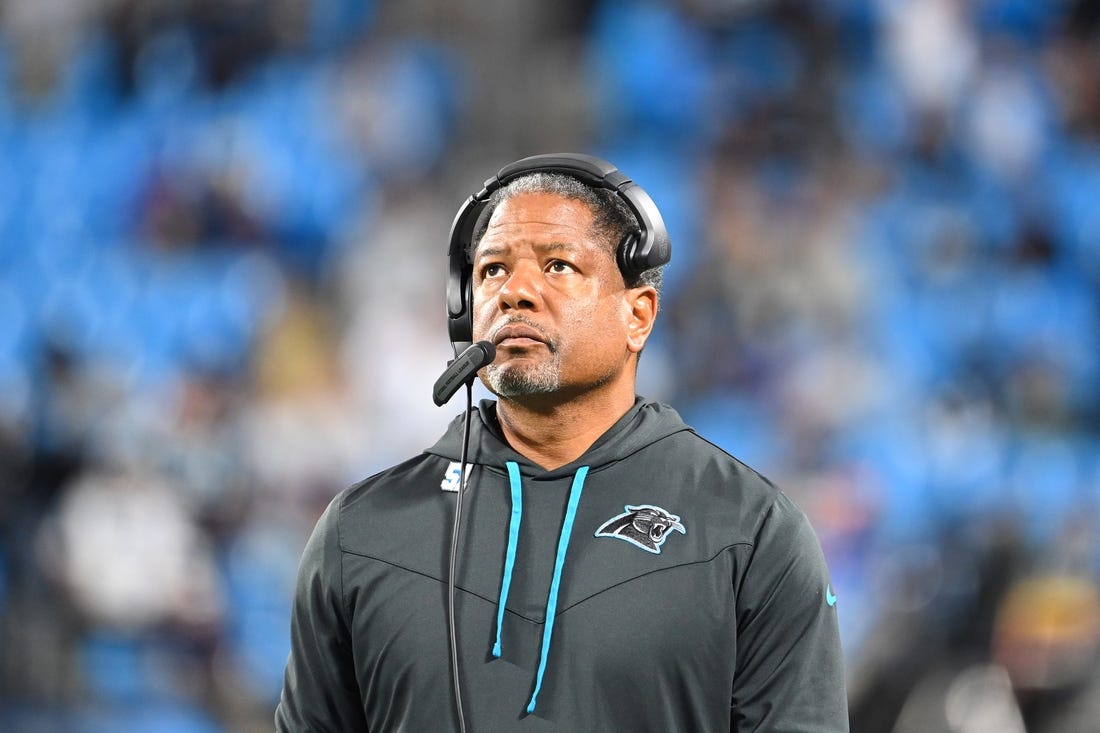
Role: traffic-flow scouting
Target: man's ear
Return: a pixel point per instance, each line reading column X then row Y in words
column 642, row 302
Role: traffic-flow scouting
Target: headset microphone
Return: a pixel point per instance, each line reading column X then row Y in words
column 462, row 370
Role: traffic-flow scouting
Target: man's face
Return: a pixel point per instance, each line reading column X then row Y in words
column 548, row 293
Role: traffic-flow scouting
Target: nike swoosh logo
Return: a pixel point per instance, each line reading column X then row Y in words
column 830, row 597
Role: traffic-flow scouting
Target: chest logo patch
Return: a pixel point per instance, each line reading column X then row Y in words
column 451, row 477
column 645, row 526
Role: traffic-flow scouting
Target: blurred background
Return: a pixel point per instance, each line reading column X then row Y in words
column 222, row 255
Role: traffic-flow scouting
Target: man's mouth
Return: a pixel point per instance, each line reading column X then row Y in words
column 518, row 335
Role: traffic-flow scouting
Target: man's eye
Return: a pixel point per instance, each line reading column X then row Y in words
column 559, row 266
column 492, row 270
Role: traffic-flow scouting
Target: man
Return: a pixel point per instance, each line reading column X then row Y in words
column 616, row 571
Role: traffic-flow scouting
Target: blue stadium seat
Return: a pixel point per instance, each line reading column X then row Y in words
column 651, row 72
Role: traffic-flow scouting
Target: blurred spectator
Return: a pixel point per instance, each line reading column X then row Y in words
column 301, row 441
column 129, row 556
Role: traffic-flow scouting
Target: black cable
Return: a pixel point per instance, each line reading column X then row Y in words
column 454, row 555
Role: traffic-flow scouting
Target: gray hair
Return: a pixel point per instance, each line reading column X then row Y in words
column 612, row 220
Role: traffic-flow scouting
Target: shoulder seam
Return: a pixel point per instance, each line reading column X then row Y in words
column 340, row 547
column 735, row 459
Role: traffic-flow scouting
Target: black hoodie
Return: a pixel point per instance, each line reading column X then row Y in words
column 654, row 584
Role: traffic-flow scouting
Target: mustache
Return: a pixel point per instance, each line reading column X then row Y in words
column 514, row 320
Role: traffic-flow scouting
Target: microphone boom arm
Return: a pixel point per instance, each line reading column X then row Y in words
column 462, row 370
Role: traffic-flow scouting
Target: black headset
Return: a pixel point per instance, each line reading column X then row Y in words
column 641, row 249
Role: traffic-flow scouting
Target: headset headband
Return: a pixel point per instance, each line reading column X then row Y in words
column 642, row 249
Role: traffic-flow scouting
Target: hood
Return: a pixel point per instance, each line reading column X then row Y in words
column 644, row 424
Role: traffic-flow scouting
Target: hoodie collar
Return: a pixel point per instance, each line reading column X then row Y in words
column 643, row 424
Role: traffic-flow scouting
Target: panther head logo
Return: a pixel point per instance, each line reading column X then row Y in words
column 645, row 526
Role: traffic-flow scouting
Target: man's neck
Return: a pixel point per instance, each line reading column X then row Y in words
column 552, row 433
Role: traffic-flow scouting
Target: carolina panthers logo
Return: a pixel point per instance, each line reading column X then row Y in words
column 645, row 526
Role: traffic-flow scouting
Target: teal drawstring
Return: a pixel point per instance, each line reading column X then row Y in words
column 559, row 563
column 516, row 487
column 513, row 541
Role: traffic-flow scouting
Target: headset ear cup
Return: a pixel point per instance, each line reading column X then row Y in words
column 627, row 253
column 460, row 322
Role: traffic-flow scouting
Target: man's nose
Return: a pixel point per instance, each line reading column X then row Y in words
column 522, row 289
